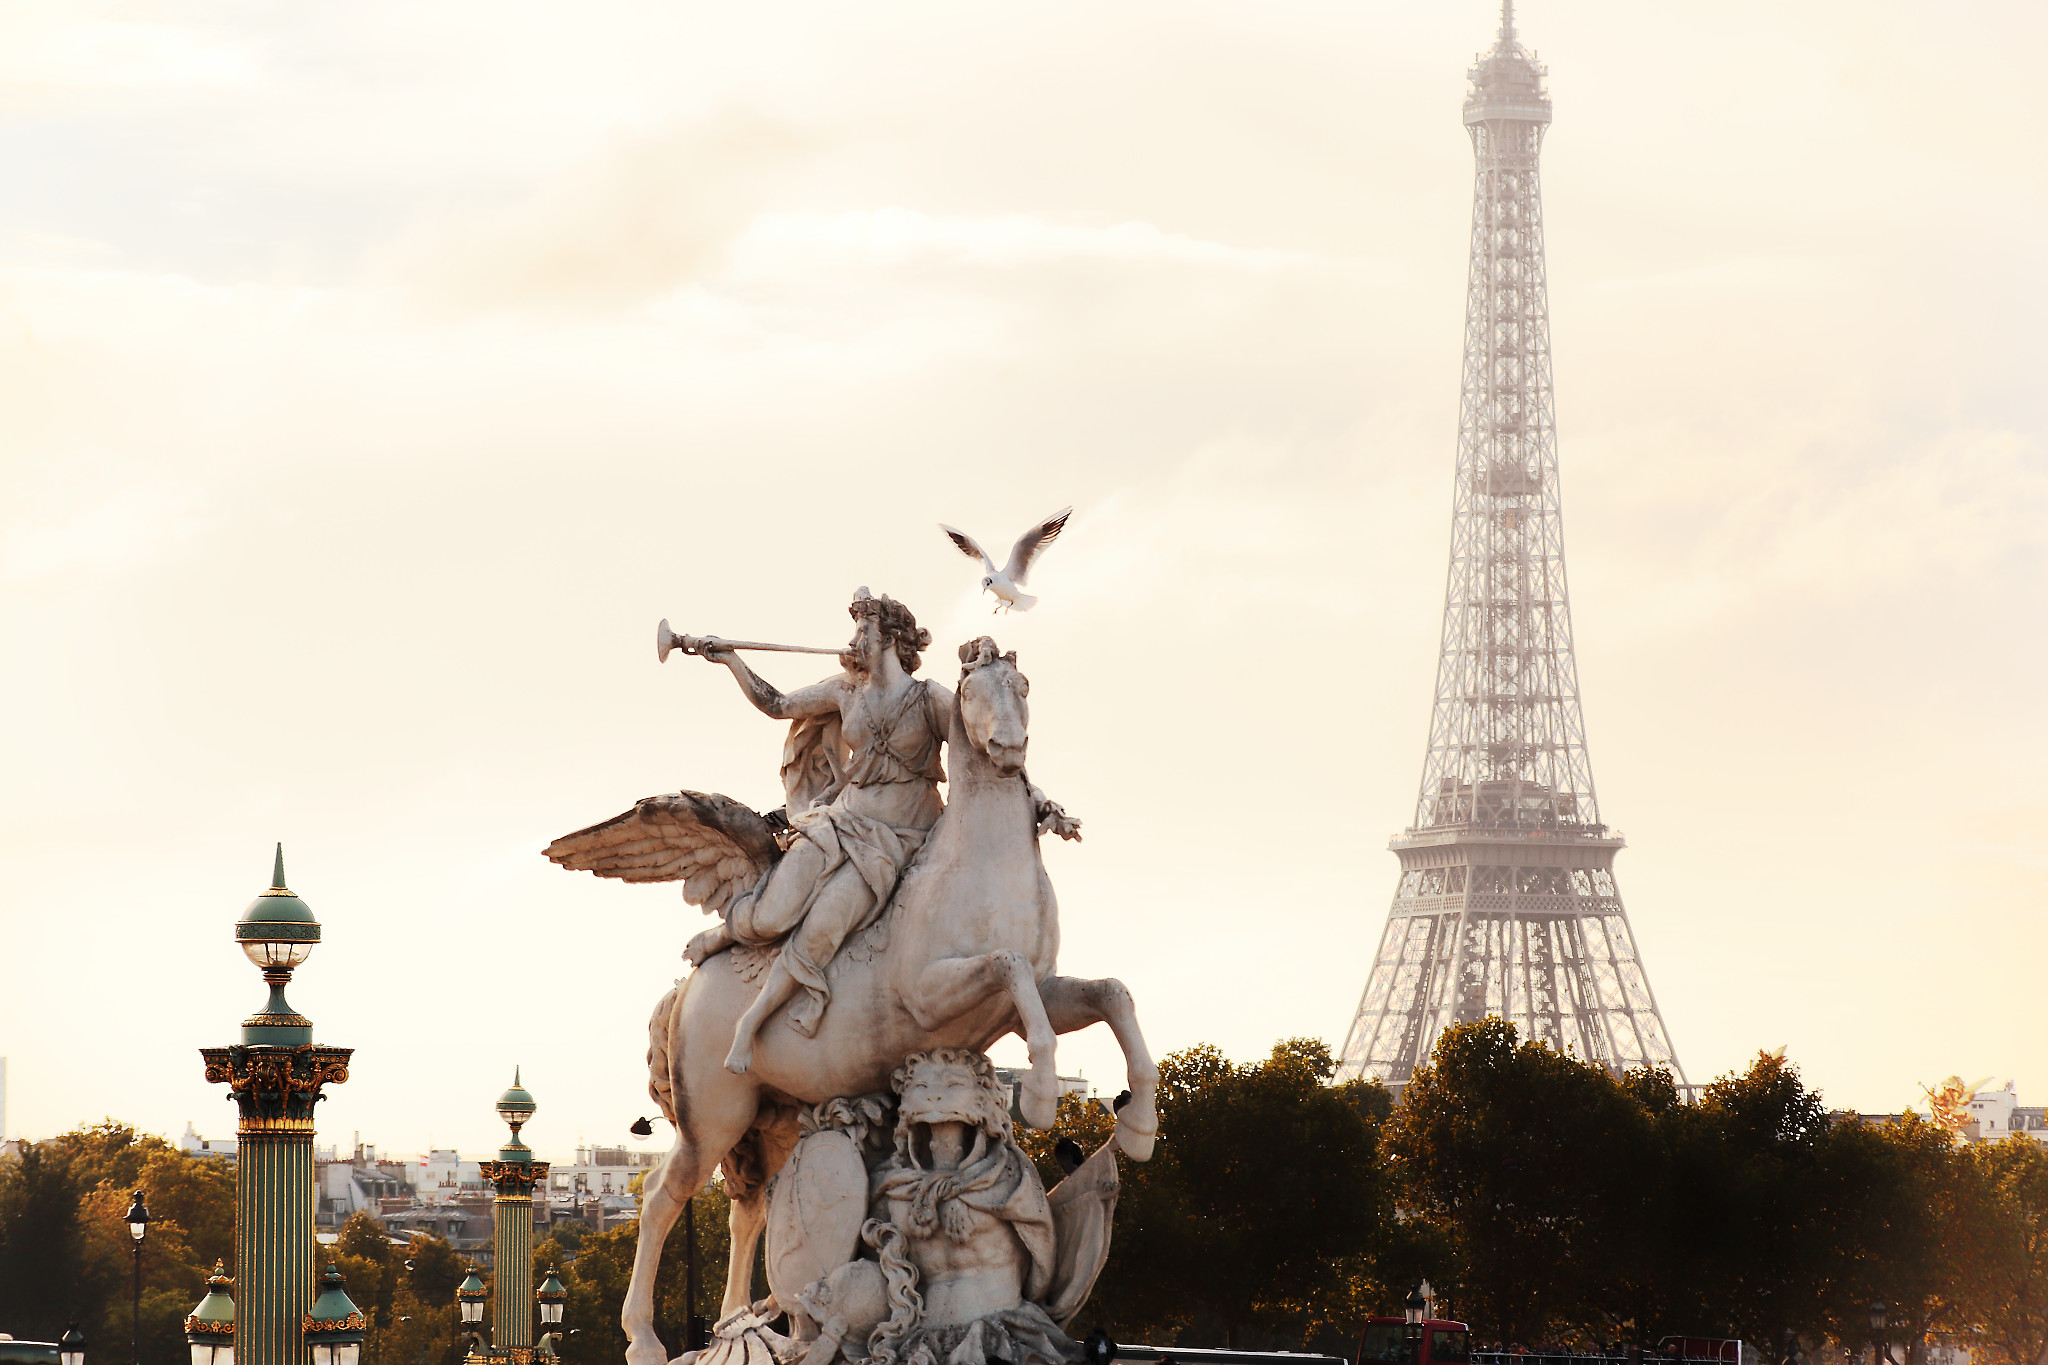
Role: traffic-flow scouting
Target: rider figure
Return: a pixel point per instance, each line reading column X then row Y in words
column 846, row 852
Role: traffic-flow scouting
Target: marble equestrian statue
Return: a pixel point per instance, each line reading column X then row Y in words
column 870, row 936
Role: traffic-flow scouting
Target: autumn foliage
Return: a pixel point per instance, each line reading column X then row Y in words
column 1545, row 1199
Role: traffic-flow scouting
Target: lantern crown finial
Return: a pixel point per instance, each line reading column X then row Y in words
column 515, row 1107
column 277, row 932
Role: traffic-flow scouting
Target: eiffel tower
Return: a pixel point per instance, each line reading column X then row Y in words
column 1507, row 903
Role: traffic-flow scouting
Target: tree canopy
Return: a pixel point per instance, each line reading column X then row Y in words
column 1547, row 1200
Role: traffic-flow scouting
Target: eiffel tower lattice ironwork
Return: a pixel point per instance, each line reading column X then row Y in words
column 1507, row 903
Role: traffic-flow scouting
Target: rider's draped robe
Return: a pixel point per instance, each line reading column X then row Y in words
column 899, row 746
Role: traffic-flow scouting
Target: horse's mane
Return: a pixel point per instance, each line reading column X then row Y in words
column 981, row 652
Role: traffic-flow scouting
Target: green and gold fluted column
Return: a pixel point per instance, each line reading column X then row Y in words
column 514, row 1175
column 275, row 1075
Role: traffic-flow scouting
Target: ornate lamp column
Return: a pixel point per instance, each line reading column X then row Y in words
column 514, row 1174
column 275, row 1075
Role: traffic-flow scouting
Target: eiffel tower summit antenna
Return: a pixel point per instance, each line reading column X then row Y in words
column 1507, row 903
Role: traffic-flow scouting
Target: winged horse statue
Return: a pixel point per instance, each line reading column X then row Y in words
column 963, row 952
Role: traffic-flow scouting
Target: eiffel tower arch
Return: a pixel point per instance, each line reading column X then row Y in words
column 1507, row 903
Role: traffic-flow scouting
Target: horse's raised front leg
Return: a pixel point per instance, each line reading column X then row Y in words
column 1073, row 1003
column 952, row 986
column 681, row 1174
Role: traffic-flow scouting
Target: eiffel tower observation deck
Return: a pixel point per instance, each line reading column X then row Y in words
column 1507, row 903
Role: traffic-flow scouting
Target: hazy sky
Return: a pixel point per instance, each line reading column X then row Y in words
column 373, row 375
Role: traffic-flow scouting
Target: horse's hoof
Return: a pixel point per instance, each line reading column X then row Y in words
column 1040, row 1104
column 650, row 1354
column 1137, row 1129
column 1137, row 1146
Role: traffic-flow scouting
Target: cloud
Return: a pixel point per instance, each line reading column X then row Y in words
column 635, row 221
column 901, row 236
column 129, row 527
column 46, row 51
column 1808, row 515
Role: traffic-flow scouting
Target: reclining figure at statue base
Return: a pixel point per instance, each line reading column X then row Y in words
column 911, row 1229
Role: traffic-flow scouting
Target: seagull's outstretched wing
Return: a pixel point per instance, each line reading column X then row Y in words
column 1032, row 542
column 967, row 546
column 713, row 845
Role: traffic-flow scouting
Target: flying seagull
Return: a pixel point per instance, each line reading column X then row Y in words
column 1006, row 582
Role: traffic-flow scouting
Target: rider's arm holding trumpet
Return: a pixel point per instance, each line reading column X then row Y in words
column 816, row 700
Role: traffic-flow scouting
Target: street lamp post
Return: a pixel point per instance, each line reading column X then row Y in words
column 138, row 1228
column 275, row 1076
column 513, row 1175
column 1413, row 1308
column 1877, row 1324
column 210, row 1331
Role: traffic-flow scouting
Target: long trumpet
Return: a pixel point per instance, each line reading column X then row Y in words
column 666, row 640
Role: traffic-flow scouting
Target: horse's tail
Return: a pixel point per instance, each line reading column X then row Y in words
column 661, row 1081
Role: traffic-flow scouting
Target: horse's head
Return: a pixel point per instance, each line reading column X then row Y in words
column 993, row 705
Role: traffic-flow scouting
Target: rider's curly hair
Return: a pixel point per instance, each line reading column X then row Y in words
column 899, row 627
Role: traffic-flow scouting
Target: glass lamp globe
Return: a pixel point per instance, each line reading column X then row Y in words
column 516, row 1105
column 71, row 1346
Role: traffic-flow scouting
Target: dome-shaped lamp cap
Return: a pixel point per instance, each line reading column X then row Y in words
column 277, row 915
column 516, row 1104
column 215, row 1315
column 334, row 1316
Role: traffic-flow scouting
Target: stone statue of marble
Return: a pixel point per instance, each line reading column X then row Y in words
column 866, row 924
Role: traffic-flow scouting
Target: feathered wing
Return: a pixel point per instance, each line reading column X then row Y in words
column 1032, row 542
column 713, row 845
column 967, row 545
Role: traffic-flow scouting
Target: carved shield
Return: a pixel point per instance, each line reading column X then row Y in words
column 815, row 1209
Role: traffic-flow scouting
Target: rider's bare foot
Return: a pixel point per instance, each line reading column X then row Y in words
column 741, row 1059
